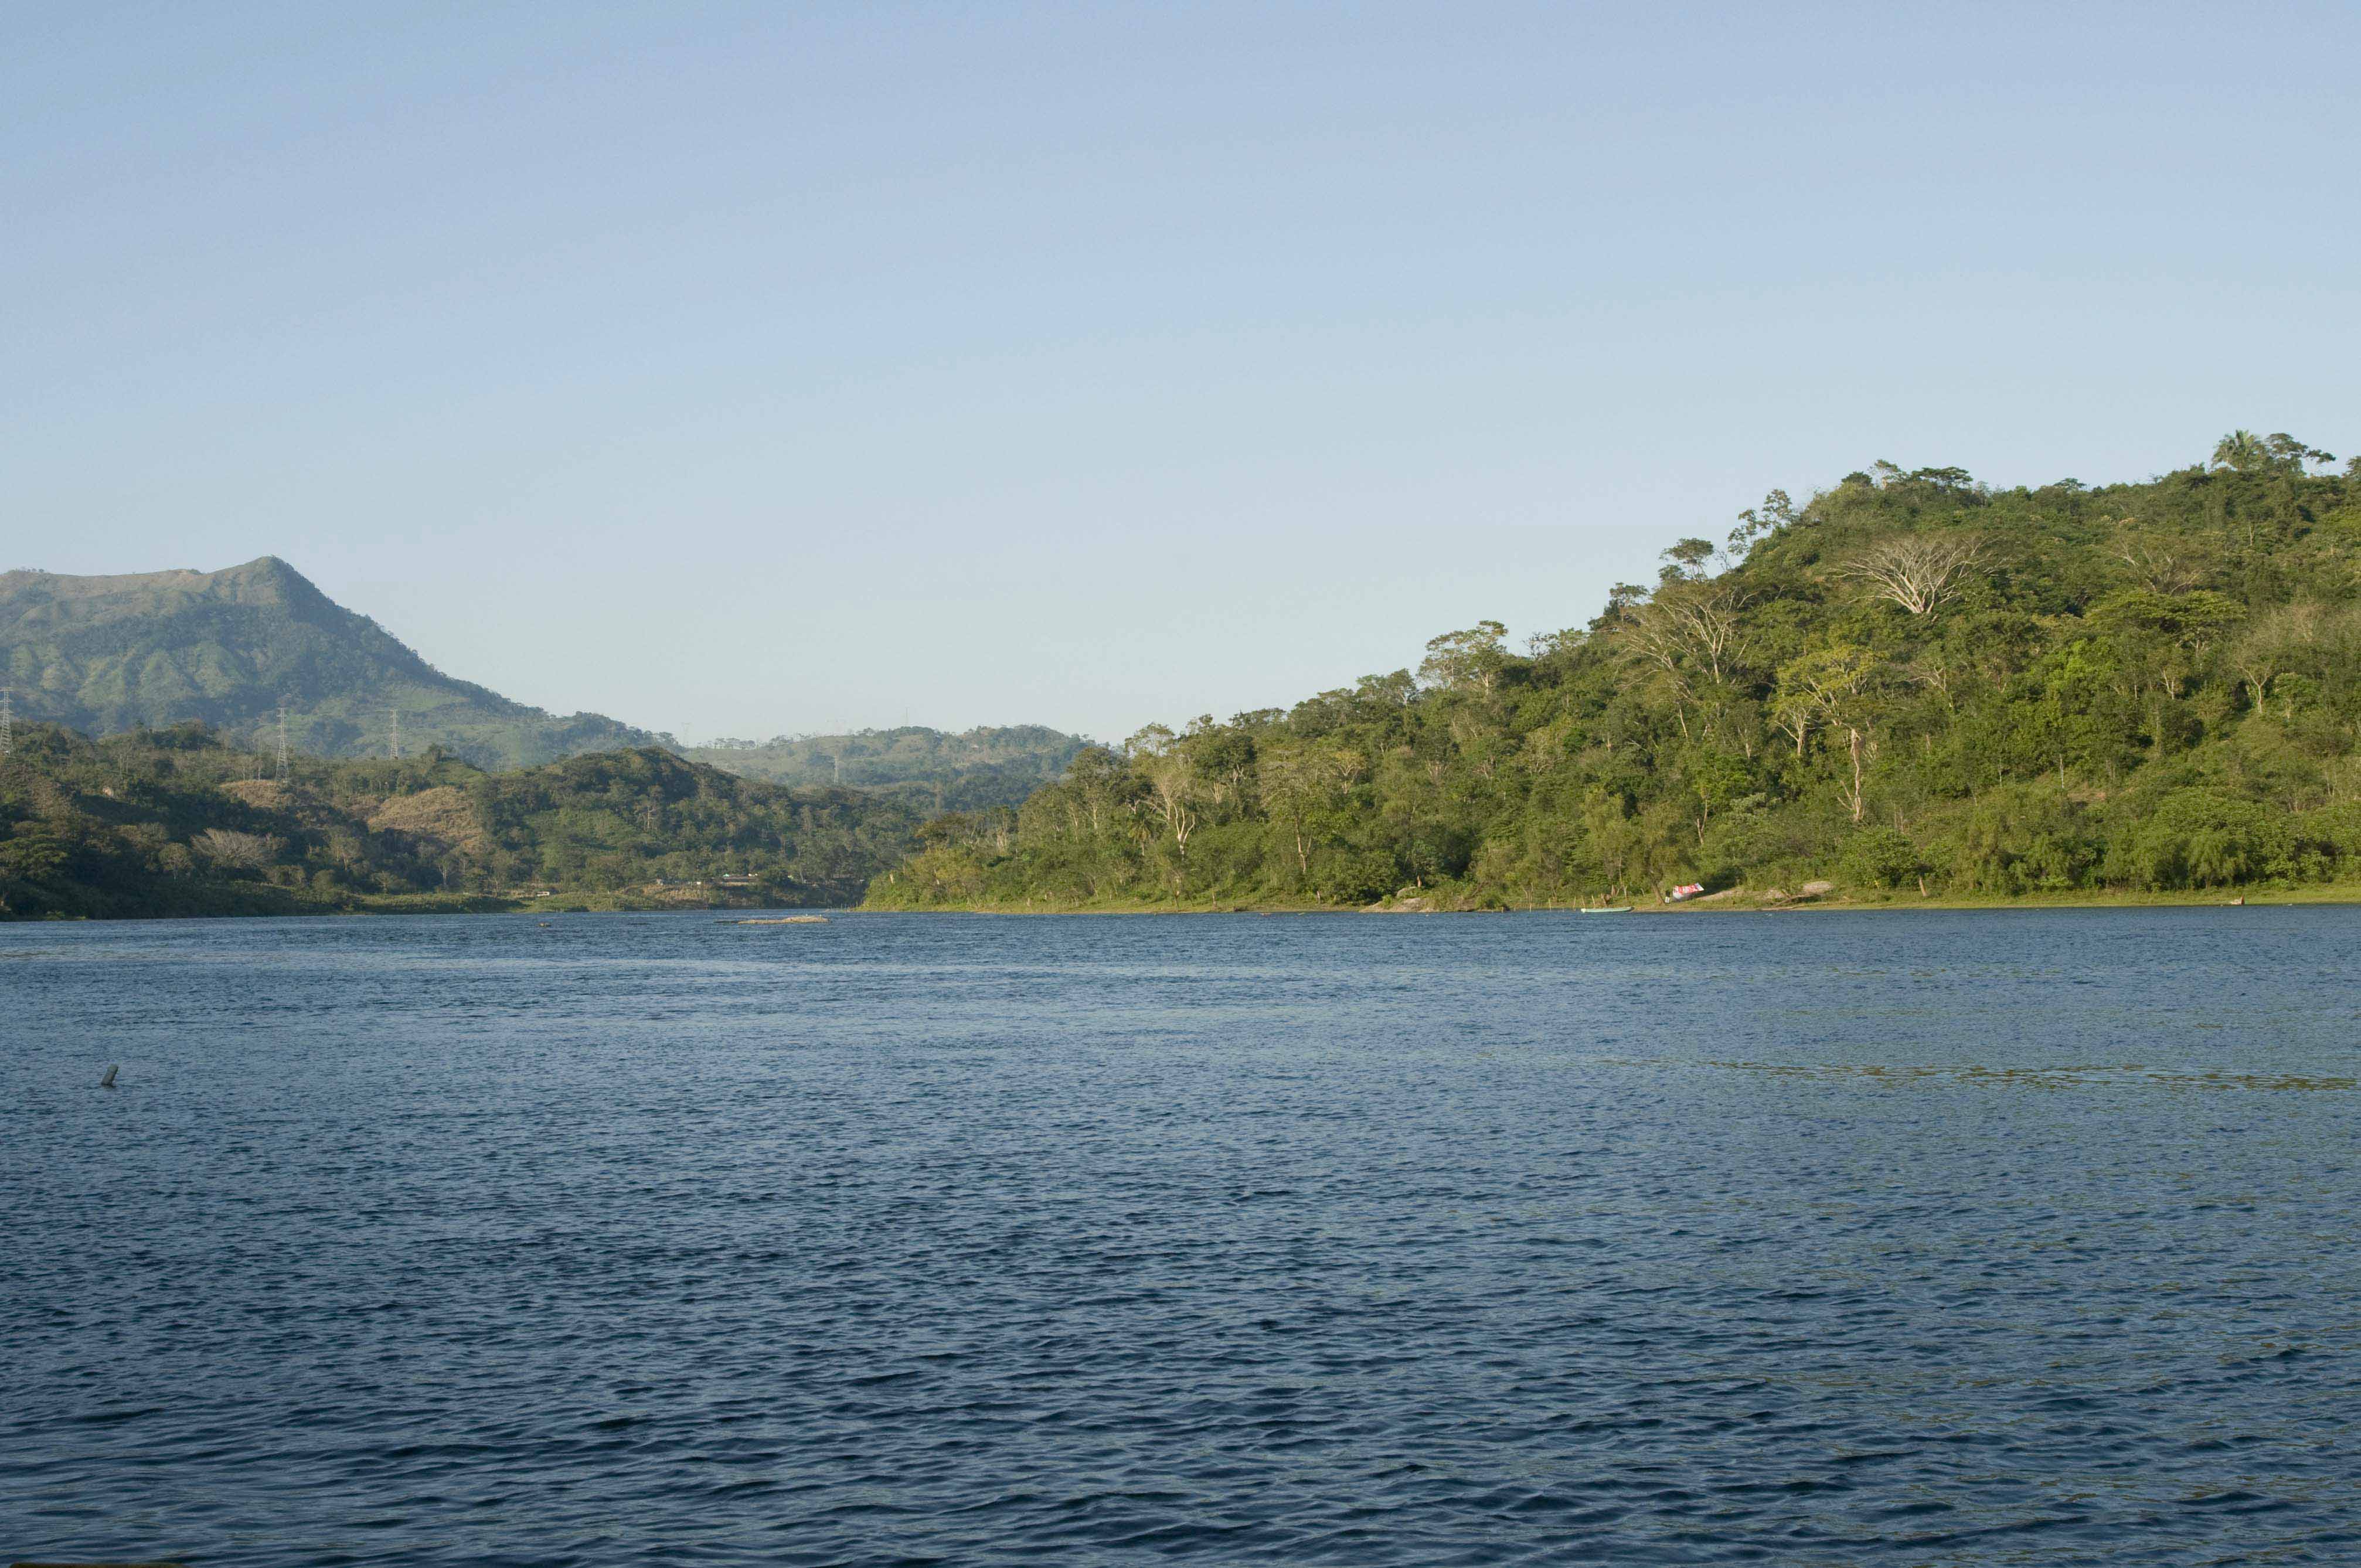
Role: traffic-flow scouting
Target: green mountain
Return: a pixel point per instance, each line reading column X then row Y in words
column 106, row 654
column 1912, row 685
column 172, row 822
column 928, row 769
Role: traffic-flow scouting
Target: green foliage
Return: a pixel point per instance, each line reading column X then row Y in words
column 173, row 822
column 1880, row 857
column 2198, row 838
column 1910, row 678
column 613, row 820
column 925, row 769
column 2023, row 838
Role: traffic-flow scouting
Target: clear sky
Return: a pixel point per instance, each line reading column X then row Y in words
column 744, row 369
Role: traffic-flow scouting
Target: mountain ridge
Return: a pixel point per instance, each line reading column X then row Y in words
column 145, row 650
column 108, row 654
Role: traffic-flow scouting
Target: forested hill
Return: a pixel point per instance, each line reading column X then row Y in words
column 926, row 769
column 172, row 822
column 228, row 647
column 1910, row 685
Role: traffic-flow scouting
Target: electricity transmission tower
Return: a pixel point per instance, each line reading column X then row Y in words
column 8, row 721
column 282, row 742
column 397, row 734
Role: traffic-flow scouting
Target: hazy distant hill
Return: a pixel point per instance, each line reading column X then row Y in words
column 932, row 771
column 106, row 654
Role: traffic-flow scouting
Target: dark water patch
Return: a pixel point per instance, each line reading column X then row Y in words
column 1976, row 1075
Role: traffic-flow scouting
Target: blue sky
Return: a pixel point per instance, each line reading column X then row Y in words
column 741, row 370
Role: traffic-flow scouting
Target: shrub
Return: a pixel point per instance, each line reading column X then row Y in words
column 1881, row 857
column 2197, row 838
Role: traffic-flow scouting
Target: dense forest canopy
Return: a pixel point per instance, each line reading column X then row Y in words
column 1909, row 683
column 177, row 822
column 926, row 769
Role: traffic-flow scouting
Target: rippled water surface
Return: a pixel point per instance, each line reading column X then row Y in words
column 1921, row 1238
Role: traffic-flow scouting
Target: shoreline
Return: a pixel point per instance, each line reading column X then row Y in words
column 2263, row 898
column 365, row 907
column 608, row 904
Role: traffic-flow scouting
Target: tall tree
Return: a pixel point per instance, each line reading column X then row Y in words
column 1831, row 688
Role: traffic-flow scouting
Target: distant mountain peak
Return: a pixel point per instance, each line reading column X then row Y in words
column 228, row 647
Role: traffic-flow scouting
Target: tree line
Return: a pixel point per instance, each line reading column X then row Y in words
column 181, row 821
column 1909, row 683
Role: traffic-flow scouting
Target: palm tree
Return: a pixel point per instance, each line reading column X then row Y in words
column 2242, row 450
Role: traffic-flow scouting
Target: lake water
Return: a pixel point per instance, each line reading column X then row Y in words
column 1917, row 1237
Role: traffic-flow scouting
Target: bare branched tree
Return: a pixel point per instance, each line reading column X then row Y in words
column 2159, row 562
column 1687, row 639
column 2158, row 569
column 1831, row 688
column 1157, row 753
column 1921, row 572
column 1300, row 780
column 2276, row 644
column 242, row 851
column 1687, row 622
